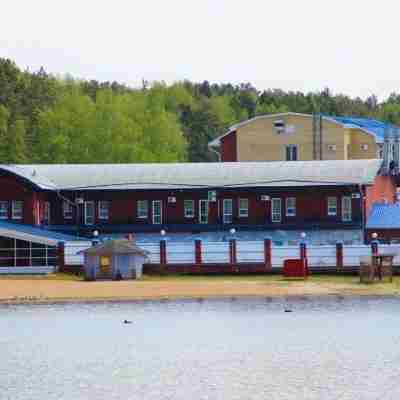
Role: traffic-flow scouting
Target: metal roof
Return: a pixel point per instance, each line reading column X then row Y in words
column 384, row 216
column 115, row 246
column 368, row 125
column 199, row 175
column 34, row 234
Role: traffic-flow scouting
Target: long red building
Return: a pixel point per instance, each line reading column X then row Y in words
column 193, row 197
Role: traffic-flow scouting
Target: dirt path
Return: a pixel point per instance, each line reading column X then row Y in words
column 17, row 290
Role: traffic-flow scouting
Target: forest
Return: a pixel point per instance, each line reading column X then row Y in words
column 48, row 119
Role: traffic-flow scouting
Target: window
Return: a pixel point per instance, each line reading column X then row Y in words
column 203, row 211
column 346, row 208
column 16, row 209
column 104, row 207
column 47, row 212
column 157, row 212
column 291, row 152
column 67, row 210
column 291, row 207
column 364, row 147
column 276, row 205
column 279, row 126
column 332, row 205
column 3, row 209
column 142, row 208
column 189, row 208
column 243, row 208
column 89, row 212
column 228, row 211
column 332, row 147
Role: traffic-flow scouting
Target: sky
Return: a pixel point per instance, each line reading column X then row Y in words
column 302, row 45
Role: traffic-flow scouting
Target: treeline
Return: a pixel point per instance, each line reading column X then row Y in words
column 44, row 119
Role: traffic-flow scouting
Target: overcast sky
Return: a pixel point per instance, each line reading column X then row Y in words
column 351, row 46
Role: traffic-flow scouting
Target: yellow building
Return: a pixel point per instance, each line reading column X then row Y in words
column 293, row 136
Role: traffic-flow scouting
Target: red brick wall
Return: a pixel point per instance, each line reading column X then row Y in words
column 228, row 147
column 383, row 189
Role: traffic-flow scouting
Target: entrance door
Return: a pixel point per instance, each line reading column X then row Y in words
column 89, row 212
column 203, row 211
column 157, row 212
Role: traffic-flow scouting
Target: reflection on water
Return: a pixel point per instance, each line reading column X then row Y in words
column 202, row 349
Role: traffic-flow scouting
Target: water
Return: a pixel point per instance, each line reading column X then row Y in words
column 212, row 349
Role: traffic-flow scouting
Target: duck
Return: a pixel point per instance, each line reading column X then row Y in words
column 127, row 321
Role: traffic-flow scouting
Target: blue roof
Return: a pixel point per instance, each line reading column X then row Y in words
column 384, row 216
column 375, row 127
column 40, row 233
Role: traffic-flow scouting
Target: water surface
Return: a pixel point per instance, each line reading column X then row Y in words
column 212, row 349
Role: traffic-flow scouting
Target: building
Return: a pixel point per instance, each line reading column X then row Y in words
column 194, row 197
column 384, row 220
column 304, row 137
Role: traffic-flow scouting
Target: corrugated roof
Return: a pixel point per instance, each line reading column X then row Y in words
column 198, row 175
column 384, row 216
column 369, row 125
column 34, row 234
column 115, row 246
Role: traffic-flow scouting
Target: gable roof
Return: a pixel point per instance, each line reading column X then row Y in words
column 368, row 125
column 384, row 216
column 198, row 175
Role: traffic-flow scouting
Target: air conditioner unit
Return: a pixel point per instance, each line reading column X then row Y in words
column 79, row 200
column 355, row 195
column 171, row 199
column 212, row 195
column 332, row 147
column 264, row 197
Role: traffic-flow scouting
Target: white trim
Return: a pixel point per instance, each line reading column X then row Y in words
column 153, row 215
column 13, row 234
column 227, row 218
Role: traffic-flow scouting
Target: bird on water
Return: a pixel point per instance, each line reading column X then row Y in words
column 127, row 321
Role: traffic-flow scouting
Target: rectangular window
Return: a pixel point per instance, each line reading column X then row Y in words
column 16, row 209
column 47, row 212
column 346, row 209
column 67, row 210
column 291, row 152
column 243, row 208
column 276, row 210
column 228, row 211
column 89, row 212
column 203, row 211
column 157, row 212
column 291, row 207
column 332, row 206
column 104, row 207
column 142, row 208
column 3, row 209
column 189, row 208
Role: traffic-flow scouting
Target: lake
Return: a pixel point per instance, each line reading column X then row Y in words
column 326, row 348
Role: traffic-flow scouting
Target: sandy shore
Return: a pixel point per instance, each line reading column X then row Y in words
column 15, row 290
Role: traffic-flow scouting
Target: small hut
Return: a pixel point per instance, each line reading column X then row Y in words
column 114, row 259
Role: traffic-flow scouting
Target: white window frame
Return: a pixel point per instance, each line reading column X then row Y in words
column 47, row 211
column 291, row 147
column 188, row 210
column 104, row 210
column 275, row 214
column 331, row 206
column 346, row 214
column 67, row 210
column 227, row 211
column 142, row 209
column 4, row 209
column 203, row 218
column 243, row 210
column 17, row 212
column 291, row 208
column 85, row 208
column 156, row 217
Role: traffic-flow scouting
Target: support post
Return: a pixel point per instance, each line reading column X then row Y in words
column 339, row 255
column 15, row 252
column 61, row 256
column 163, row 255
column 30, row 255
column 303, row 255
column 197, row 252
column 233, row 255
column 268, row 254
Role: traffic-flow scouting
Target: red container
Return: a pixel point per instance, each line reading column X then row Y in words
column 295, row 268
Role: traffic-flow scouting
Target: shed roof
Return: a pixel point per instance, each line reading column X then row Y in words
column 198, row 175
column 384, row 216
column 372, row 126
column 113, row 247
